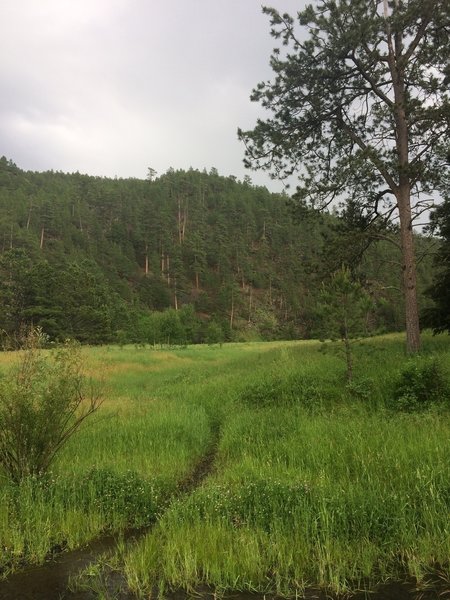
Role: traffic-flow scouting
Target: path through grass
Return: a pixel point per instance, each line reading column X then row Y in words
column 316, row 483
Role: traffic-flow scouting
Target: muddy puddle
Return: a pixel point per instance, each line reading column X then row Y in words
column 49, row 582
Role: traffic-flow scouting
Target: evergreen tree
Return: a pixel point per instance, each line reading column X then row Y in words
column 361, row 106
column 342, row 312
column 242, row 261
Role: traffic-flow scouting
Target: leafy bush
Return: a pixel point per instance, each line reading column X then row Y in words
column 421, row 383
column 43, row 402
column 214, row 333
column 361, row 388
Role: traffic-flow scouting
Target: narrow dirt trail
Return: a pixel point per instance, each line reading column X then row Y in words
column 49, row 581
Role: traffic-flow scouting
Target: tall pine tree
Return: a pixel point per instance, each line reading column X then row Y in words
column 359, row 107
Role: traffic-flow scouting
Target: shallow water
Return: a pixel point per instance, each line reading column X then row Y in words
column 49, row 582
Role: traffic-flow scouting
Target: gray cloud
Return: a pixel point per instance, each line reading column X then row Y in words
column 110, row 87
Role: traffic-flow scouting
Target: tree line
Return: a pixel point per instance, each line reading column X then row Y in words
column 186, row 257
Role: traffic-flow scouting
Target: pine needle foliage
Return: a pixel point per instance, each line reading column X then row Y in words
column 359, row 110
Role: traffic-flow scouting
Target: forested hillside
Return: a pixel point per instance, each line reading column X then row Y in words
column 186, row 257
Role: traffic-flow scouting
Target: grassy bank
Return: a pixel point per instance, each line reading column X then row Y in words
column 315, row 482
column 118, row 471
column 339, row 502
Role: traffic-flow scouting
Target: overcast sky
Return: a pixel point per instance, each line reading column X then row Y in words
column 112, row 87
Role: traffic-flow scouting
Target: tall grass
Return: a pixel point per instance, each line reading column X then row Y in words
column 117, row 472
column 160, row 413
column 316, row 483
column 341, row 502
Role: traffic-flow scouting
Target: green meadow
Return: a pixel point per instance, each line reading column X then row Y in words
column 315, row 482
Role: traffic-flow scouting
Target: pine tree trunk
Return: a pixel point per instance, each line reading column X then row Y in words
column 79, row 217
column 403, row 191
column 185, row 218
column 232, row 310
column 345, row 338
column 29, row 214
column 409, row 272
column 175, row 296
column 180, row 238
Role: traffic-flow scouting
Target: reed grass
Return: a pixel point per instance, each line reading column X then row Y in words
column 316, row 483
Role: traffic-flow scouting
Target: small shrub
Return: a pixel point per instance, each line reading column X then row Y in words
column 43, row 402
column 214, row 333
column 361, row 388
column 421, row 383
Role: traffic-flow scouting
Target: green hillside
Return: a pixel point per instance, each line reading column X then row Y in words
column 188, row 257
